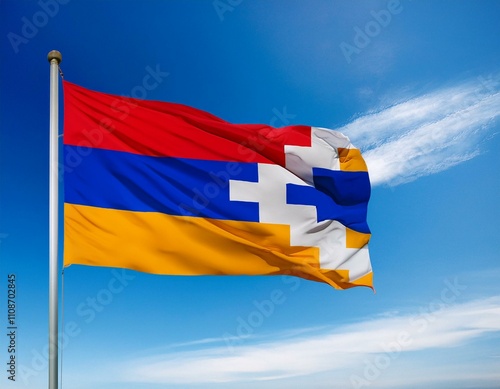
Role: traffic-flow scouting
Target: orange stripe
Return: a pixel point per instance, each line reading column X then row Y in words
column 351, row 160
column 182, row 245
column 355, row 239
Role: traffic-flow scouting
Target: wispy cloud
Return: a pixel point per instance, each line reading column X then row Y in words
column 428, row 133
column 342, row 351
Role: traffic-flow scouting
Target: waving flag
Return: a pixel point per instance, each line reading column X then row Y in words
column 168, row 189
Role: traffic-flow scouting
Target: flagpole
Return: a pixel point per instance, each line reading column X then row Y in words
column 54, row 58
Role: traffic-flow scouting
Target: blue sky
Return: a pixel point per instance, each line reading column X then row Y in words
column 414, row 84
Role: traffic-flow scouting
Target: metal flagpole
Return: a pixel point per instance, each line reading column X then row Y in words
column 54, row 58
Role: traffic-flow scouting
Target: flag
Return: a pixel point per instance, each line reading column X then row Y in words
column 164, row 188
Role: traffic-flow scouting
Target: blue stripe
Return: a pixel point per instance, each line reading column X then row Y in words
column 346, row 187
column 337, row 195
column 189, row 187
column 175, row 186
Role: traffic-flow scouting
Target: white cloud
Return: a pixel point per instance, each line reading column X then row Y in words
column 426, row 134
column 336, row 352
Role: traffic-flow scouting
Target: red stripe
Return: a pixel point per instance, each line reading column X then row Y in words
column 99, row 120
